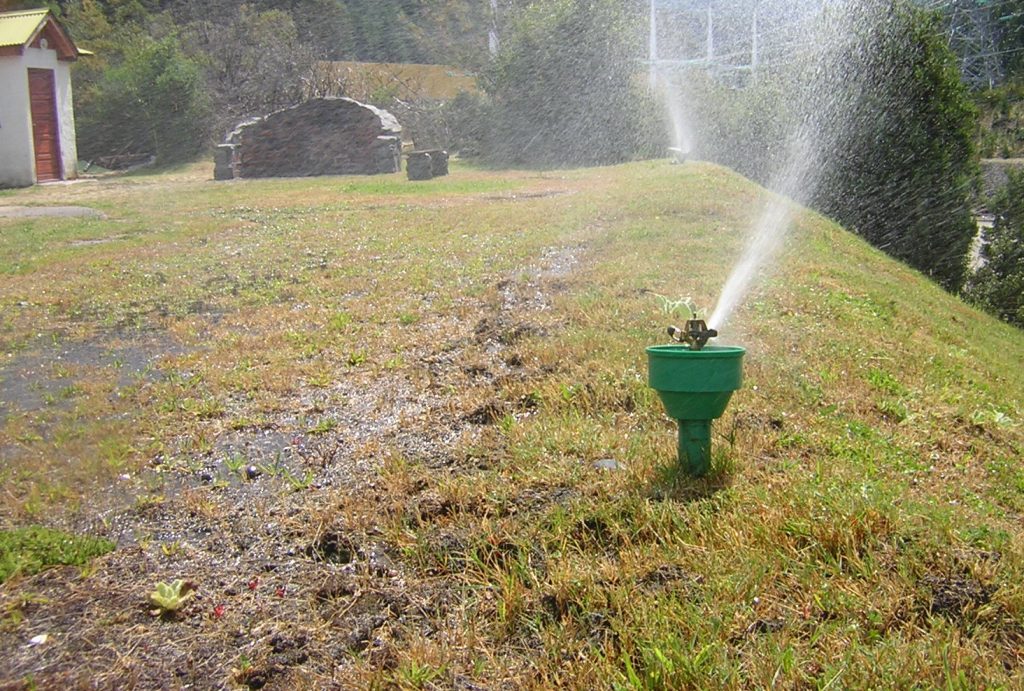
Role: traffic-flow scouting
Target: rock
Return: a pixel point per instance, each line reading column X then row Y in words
column 608, row 464
column 380, row 563
column 438, row 162
column 426, row 164
column 223, row 156
column 418, row 166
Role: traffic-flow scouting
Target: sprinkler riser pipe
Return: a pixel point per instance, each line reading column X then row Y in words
column 695, row 387
column 695, row 446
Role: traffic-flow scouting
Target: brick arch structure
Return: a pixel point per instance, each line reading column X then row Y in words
column 322, row 136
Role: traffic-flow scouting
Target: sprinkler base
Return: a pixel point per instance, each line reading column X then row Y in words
column 695, row 386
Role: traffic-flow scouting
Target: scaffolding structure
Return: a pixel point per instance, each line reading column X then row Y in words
column 974, row 32
column 739, row 36
column 689, row 33
column 731, row 39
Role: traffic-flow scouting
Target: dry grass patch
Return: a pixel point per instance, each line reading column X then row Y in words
column 400, row 435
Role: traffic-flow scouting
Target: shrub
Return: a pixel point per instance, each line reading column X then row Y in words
column 998, row 286
column 903, row 174
column 565, row 88
column 154, row 103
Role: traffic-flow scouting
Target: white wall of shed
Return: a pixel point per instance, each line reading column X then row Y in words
column 17, row 162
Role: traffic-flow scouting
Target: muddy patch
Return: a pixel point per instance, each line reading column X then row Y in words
column 526, row 196
column 954, row 596
column 281, row 525
column 89, row 242
column 46, row 377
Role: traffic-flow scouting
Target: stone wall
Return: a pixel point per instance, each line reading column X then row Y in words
column 323, row 136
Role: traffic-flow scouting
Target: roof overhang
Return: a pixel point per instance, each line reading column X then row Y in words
column 21, row 30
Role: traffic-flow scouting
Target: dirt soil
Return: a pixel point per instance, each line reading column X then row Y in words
column 289, row 555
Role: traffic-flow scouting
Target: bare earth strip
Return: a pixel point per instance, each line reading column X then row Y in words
column 259, row 560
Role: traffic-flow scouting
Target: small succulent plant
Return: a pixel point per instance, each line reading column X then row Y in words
column 170, row 597
column 683, row 308
column 695, row 332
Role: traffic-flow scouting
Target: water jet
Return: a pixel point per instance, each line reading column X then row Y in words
column 694, row 382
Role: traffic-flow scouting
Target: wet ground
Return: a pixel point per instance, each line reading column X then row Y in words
column 44, row 211
column 284, row 531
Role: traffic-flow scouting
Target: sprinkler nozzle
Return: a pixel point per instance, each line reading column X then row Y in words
column 695, row 335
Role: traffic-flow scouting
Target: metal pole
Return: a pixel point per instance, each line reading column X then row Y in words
column 711, row 37
column 652, row 47
column 754, row 41
column 493, row 43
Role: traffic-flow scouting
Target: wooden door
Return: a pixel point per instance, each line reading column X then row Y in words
column 45, row 129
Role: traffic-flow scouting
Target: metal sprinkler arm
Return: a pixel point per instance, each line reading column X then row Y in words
column 695, row 335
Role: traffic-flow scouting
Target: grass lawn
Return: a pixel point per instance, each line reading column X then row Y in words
column 362, row 418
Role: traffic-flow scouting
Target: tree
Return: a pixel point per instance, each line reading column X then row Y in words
column 898, row 133
column 154, row 103
column 1011, row 38
column 564, row 85
column 998, row 286
column 254, row 63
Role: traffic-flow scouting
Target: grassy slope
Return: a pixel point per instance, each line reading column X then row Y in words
column 862, row 527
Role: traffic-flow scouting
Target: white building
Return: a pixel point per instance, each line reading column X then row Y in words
column 37, row 121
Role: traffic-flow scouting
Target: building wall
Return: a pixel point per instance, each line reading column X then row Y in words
column 17, row 166
column 17, row 154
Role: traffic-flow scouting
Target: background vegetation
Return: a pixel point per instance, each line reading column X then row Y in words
column 998, row 285
column 170, row 77
column 903, row 175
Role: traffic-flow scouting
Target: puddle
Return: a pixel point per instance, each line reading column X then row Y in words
column 44, row 377
column 87, row 242
column 42, row 211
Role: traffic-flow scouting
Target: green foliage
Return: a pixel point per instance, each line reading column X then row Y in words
column 26, row 551
column 683, row 308
column 882, row 105
column 999, row 285
column 14, row 5
column 155, row 102
column 903, row 176
column 240, row 59
column 1001, row 125
column 564, row 87
column 1011, row 43
column 170, row 597
column 468, row 117
column 741, row 128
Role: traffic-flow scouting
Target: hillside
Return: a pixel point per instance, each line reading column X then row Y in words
column 362, row 416
column 370, row 81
